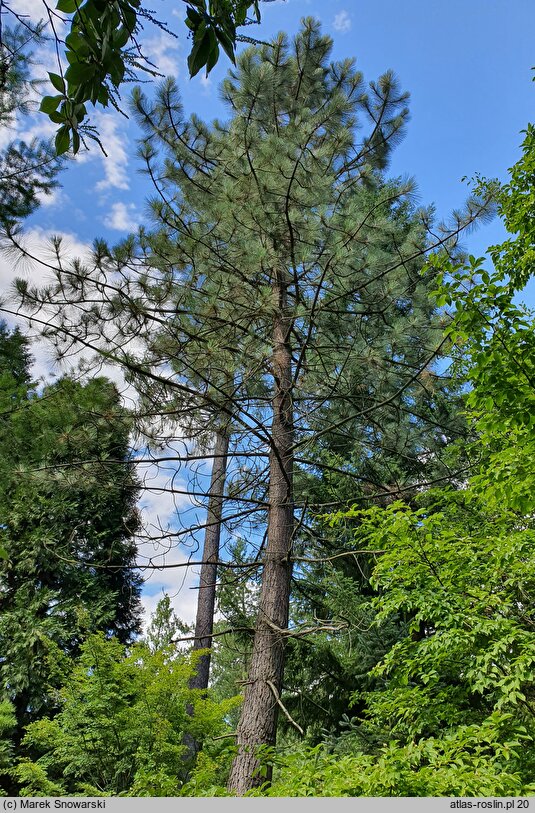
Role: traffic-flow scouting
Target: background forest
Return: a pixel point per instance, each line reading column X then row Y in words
column 291, row 387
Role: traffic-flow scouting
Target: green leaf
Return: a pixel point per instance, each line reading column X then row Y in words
column 129, row 18
column 227, row 43
column 57, row 118
column 200, row 53
column 194, row 17
column 67, row 6
column 77, row 47
column 3, row 553
column 121, row 37
column 75, row 141
column 57, row 81
column 213, row 56
column 50, row 104
column 79, row 72
column 62, row 141
column 117, row 69
column 103, row 97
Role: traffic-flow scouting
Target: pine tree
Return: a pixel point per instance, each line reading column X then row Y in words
column 298, row 269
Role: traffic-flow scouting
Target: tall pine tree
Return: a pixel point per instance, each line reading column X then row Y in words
column 298, row 267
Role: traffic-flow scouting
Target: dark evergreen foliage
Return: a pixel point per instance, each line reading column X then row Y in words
column 27, row 170
column 67, row 524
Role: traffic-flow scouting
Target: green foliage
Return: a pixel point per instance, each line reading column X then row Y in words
column 213, row 24
column 328, row 672
column 497, row 337
column 98, row 50
column 67, row 520
column 8, row 723
column 265, row 204
column 102, row 52
column 121, row 726
column 237, row 601
column 459, row 685
column 452, row 708
column 452, row 711
column 164, row 626
column 470, row 761
column 27, row 170
column 32, row 781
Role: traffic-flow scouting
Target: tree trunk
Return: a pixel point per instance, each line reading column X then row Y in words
column 204, row 623
column 258, row 721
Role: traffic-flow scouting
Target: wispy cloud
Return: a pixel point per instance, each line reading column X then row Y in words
column 41, row 257
column 32, row 8
column 115, row 163
column 123, row 217
column 54, row 197
column 163, row 51
column 342, row 22
column 38, row 245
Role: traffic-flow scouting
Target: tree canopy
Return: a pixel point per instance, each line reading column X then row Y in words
column 240, row 311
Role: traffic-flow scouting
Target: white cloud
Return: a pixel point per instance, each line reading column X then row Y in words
column 123, row 217
column 32, row 124
column 115, row 163
column 183, row 599
column 37, row 269
column 342, row 22
column 9, row 133
column 163, row 51
column 38, row 266
column 55, row 197
column 206, row 82
column 165, row 502
column 42, row 128
column 32, row 8
column 161, row 510
column 165, row 495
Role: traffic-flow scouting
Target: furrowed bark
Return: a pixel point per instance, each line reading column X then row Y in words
column 258, row 721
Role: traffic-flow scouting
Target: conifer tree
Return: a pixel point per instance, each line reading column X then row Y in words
column 27, row 170
column 66, row 525
column 298, row 269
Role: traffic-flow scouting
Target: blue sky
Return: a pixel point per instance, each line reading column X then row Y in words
column 466, row 63
column 467, row 66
